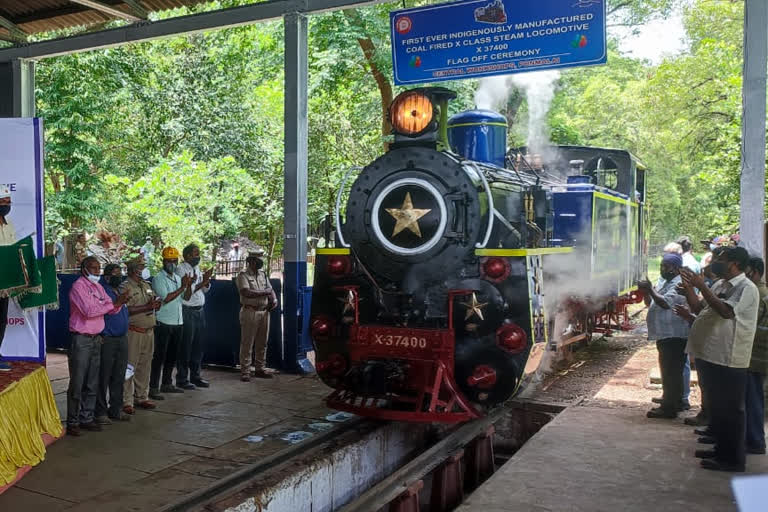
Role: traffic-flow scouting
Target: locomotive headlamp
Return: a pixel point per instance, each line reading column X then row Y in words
column 512, row 338
column 411, row 113
column 338, row 266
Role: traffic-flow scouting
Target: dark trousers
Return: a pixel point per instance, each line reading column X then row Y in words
column 167, row 341
column 672, row 361
column 114, row 360
column 755, row 411
column 190, row 356
column 84, row 359
column 3, row 318
column 726, row 388
column 704, row 413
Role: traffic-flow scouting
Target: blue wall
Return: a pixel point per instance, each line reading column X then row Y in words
column 222, row 340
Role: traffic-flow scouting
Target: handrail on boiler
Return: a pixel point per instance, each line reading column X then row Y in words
column 487, row 187
column 338, row 205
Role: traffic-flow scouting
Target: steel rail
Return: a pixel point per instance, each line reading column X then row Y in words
column 394, row 485
column 241, row 476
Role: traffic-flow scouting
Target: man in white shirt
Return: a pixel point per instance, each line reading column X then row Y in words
column 720, row 339
column 7, row 237
column 190, row 356
column 689, row 260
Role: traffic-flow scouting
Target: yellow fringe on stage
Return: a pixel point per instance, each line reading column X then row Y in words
column 27, row 411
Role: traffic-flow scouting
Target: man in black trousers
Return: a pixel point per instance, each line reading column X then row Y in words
column 721, row 339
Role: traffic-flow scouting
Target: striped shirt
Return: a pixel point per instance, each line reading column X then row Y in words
column 664, row 323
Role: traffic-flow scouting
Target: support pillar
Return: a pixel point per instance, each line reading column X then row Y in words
column 17, row 88
column 295, row 190
column 752, row 228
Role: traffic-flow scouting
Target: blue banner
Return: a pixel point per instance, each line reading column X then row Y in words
column 475, row 38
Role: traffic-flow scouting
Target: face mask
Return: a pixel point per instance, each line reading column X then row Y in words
column 668, row 275
column 5, row 210
column 115, row 281
column 258, row 264
column 194, row 261
column 719, row 268
column 169, row 267
column 92, row 278
column 145, row 275
column 712, row 247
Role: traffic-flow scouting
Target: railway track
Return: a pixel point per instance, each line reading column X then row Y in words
column 457, row 464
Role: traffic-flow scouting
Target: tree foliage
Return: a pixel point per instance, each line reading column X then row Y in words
column 183, row 138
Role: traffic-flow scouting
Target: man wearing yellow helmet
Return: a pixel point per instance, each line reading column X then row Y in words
column 169, row 288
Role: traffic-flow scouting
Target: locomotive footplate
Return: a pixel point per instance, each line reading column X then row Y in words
column 422, row 390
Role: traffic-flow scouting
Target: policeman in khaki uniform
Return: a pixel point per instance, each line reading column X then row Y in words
column 257, row 299
column 142, row 306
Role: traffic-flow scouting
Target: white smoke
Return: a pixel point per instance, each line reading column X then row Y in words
column 539, row 89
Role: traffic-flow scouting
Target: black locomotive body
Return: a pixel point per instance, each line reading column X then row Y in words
column 431, row 305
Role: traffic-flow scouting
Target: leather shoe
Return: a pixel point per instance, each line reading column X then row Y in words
column 685, row 405
column 705, row 454
column 261, row 374
column 756, row 451
column 245, row 378
column 146, row 404
column 716, row 465
column 170, row 388
column 702, row 431
column 186, row 385
column 74, row 431
column 201, row 383
column 660, row 412
column 657, row 399
column 696, row 421
column 128, row 409
column 155, row 395
column 103, row 420
column 122, row 416
column 91, row 427
column 707, row 440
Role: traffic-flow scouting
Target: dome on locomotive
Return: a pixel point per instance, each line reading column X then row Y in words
column 479, row 135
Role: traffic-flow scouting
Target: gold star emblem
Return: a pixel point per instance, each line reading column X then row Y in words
column 407, row 216
column 348, row 301
column 474, row 308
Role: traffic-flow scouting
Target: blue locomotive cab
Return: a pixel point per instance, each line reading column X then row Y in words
column 601, row 210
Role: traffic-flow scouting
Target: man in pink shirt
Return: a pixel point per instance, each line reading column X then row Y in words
column 88, row 303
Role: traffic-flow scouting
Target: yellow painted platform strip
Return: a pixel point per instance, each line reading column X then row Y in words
column 523, row 252
column 321, row 252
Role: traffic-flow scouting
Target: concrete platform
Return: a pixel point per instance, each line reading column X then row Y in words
column 189, row 441
column 591, row 459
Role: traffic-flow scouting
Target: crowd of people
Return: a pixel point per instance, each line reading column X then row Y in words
column 713, row 312
column 129, row 334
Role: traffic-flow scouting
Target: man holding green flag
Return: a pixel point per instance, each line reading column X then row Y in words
column 7, row 237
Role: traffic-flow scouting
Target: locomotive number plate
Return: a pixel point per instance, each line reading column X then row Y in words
column 396, row 340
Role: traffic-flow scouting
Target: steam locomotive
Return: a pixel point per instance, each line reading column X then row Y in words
column 431, row 306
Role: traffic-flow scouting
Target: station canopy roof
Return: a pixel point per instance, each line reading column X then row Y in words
column 20, row 19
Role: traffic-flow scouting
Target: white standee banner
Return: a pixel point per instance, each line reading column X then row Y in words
column 21, row 168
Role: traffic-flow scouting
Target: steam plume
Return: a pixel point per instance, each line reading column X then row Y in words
column 539, row 89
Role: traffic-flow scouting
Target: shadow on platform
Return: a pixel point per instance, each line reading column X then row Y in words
column 187, row 443
column 594, row 459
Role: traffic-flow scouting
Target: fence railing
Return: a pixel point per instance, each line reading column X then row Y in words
column 226, row 269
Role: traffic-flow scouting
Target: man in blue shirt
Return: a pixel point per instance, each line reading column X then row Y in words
column 169, row 288
column 670, row 332
column 114, row 353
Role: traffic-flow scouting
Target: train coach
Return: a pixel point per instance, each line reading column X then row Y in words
column 453, row 256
